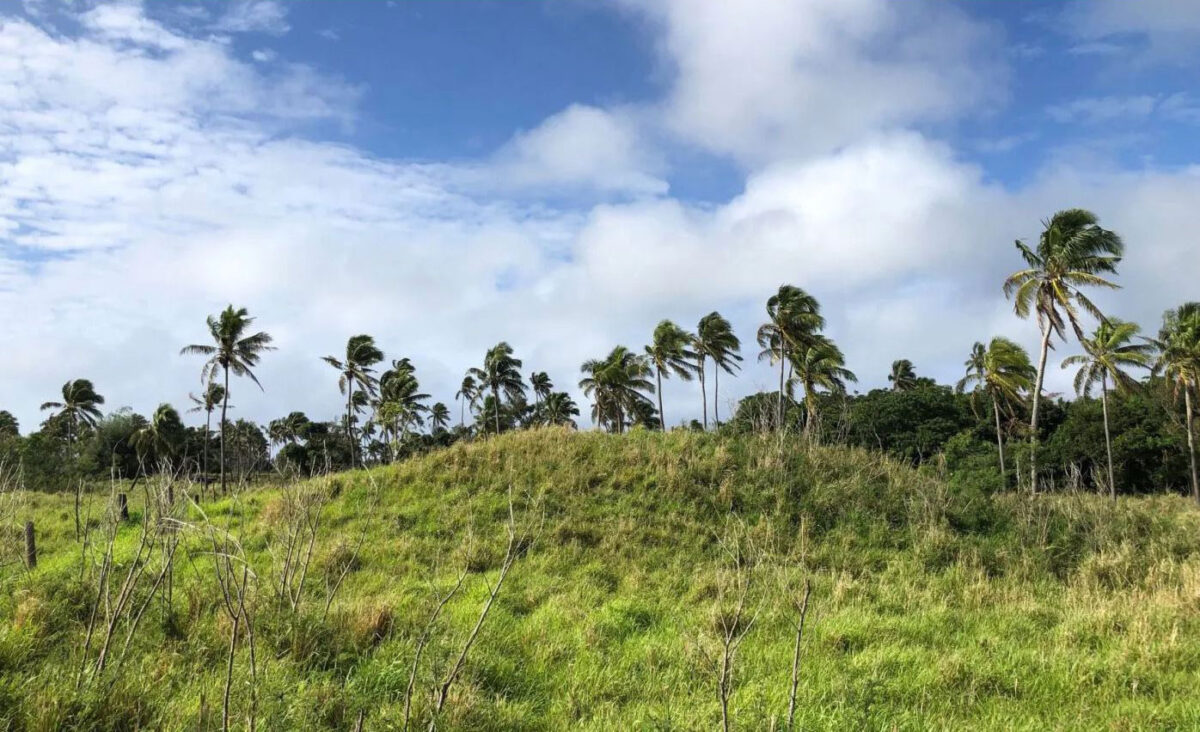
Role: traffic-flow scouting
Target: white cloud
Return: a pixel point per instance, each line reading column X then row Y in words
column 581, row 146
column 765, row 79
column 255, row 16
column 1104, row 109
column 1164, row 30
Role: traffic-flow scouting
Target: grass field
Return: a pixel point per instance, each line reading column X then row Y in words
column 931, row 607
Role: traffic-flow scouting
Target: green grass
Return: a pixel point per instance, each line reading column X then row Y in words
column 932, row 608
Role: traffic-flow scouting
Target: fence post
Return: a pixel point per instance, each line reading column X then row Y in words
column 30, row 546
column 123, row 506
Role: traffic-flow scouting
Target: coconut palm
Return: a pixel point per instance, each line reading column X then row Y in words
column 794, row 318
column 288, row 430
column 1178, row 360
column 540, row 382
column 500, row 373
column 231, row 351
column 80, row 405
column 616, row 384
column 401, row 403
column 468, row 393
column 903, row 376
column 355, row 370
column 214, row 393
column 162, row 435
column 1105, row 357
column 819, row 365
column 1001, row 371
column 670, row 351
column 9, row 426
column 715, row 340
column 439, row 418
column 559, row 408
column 1073, row 252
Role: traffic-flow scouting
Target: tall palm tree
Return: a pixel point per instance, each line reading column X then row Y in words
column 903, row 376
column 231, row 350
column 819, row 365
column 288, row 430
column 1003, row 372
column 468, row 393
column 794, row 319
column 1178, row 345
column 401, row 403
column 715, row 340
column 500, row 373
column 1105, row 357
column 439, row 418
column 616, row 384
column 80, row 405
column 1073, row 251
column 670, row 351
column 163, row 434
column 540, row 382
column 558, row 409
column 214, row 393
column 355, row 370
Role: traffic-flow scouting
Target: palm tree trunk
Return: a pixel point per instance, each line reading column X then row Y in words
column 462, row 412
column 810, row 402
column 1112, row 485
column 1033, row 416
column 349, row 416
column 999, row 439
column 782, row 359
column 224, row 409
column 496, row 406
column 1187, row 402
column 716, row 395
column 662, row 420
column 207, row 435
column 703, row 395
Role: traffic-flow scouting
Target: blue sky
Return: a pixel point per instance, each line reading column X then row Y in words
column 563, row 175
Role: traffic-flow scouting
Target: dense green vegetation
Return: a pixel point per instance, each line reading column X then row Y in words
column 934, row 605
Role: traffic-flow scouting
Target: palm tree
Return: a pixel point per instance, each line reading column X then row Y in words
column 214, row 393
column 401, row 403
column 1002, row 371
column 903, row 377
column 558, row 409
column 715, row 340
column 670, row 351
column 468, row 393
column 615, row 384
column 288, row 430
column 1178, row 345
column 439, row 418
column 794, row 319
column 819, row 365
column 80, row 405
column 1072, row 252
column 355, row 370
column 1106, row 356
column 163, row 434
column 232, row 350
column 500, row 373
column 9, row 426
column 542, row 386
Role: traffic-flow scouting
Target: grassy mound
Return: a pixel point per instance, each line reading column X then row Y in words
column 931, row 607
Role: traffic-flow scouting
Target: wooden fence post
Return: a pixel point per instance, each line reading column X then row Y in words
column 123, row 506
column 30, row 546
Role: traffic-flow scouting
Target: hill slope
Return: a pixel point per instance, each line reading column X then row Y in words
column 930, row 608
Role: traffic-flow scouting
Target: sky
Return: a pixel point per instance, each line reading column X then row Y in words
column 562, row 176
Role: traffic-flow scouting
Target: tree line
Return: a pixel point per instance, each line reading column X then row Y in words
column 1140, row 382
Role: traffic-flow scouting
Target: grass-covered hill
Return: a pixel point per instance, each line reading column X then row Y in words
column 930, row 608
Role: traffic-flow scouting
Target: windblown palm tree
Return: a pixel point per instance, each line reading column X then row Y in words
column 232, row 350
column 500, row 373
column 1106, row 355
column 670, row 351
column 1073, row 251
column 468, row 393
column 559, row 408
column 355, row 370
column 288, row 430
column 1003, row 372
column 80, row 405
column 903, row 376
column 401, row 403
column 794, row 319
column 615, row 385
column 1178, row 345
column 439, row 418
column 9, row 426
column 163, row 435
column 541, row 385
column 715, row 340
column 214, row 393
column 819, row 365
